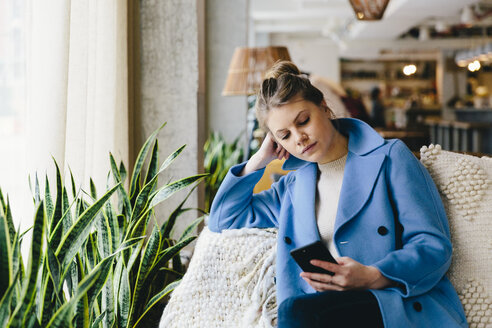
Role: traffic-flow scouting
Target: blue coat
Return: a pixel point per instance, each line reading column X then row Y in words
column 390, row 215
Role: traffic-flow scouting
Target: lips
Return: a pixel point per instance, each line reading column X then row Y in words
column 308, row 148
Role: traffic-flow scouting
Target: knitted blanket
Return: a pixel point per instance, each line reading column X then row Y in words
column 229, row 282
column 465, row 185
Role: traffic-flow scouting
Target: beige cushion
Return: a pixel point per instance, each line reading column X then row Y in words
column 466, row 191
column 229, row 283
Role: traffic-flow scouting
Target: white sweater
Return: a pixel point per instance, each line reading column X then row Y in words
column 330, row 177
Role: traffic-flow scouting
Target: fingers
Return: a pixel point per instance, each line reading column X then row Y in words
column 320, row 277
column 280, row 152
column 332, row 267
column 321, row 286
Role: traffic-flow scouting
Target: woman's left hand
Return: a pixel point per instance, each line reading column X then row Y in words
column 349, row 274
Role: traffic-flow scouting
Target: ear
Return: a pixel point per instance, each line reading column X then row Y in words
column 324, row 105
column 327, row 109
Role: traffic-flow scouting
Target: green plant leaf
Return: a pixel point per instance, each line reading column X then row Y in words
column 5, row 257
column 93, row 189
column 114, row 169
column 171, row 158
column 10, row 221
column 37, row 193
column 192, row 227
column 17, row 264
column 76, row 236
column 155, row 300
column 98, row 320
column 123, row 172
column 143, row 199
column 5, row 302
column 58, row 212
column 92, row 255
column 72, row 180
column 153, row 164
column 49, row 207
column 53, row 267
column 66, row 210
column 168, row 253
column 149, row 256
column 169, row 224
column 65, row 223
column 47, row 298
column 29, row 287
column 33, row 322
column 81, row 313
column 174, row 272
column 124, row 204
column 2, row 199
column 63, row 317
column 113, row 225
column 104, row 238
column 92, row 284
column 134, row 255
column 124, row 296
column 169, row 189
column 140, row 160
column 107, row 301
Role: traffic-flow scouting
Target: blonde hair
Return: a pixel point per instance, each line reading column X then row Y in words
column 283, row 82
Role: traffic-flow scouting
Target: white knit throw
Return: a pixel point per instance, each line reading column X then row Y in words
column 464, row 182
column 229, row 283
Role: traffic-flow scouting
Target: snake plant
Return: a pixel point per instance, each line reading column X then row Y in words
column 90, row 264
column 220, row 156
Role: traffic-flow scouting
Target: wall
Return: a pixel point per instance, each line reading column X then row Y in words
column 227, row 28
column 319, row 57
column 171, row 51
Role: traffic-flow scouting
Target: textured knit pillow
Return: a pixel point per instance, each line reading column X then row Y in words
column 464, row 182
column 229, row 282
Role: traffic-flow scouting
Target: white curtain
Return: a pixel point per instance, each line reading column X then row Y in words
column 77, row 87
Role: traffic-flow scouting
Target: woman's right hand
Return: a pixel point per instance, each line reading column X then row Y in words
column 268, row 151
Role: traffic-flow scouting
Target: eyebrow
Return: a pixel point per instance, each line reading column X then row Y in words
column 295, row 119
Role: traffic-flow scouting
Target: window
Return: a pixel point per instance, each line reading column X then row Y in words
column 13, row 176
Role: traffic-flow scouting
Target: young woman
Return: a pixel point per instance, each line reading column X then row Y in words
column 368, row 199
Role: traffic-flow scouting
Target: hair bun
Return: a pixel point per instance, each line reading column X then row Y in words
column 282, row 67
column 269, row 87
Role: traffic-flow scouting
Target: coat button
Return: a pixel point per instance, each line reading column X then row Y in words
column 288, row 240
column 275, row 280
column 417, row 306
column 382, row 230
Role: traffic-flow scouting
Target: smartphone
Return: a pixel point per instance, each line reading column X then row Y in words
column 315, row 251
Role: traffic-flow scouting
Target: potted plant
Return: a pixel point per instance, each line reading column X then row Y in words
column 90, row 263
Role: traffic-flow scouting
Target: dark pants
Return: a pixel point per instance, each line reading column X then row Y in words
column 330, row 309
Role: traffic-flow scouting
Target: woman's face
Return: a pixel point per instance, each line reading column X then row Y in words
column 305, row 130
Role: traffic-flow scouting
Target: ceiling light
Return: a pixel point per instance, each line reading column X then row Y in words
column 474, row 66
column 369, row 9
column 441, row 27
column 409, row 69
column 424, row 33
column 467, row 16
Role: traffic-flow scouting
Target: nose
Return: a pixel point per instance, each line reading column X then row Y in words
column 301, row 138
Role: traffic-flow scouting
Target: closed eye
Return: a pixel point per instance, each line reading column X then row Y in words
column 285, row 136
column 304, row 122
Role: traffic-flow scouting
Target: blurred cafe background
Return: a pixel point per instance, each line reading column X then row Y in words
column 417, row 70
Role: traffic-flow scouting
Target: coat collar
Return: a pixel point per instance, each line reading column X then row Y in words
column 361, row 172
column 362, row 140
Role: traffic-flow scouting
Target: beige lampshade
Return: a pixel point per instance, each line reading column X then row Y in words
column 369, row 9
column 248, row 66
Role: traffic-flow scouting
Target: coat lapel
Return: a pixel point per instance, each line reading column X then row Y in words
column 359, row 178
column 304, row 196
column 361, row 171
